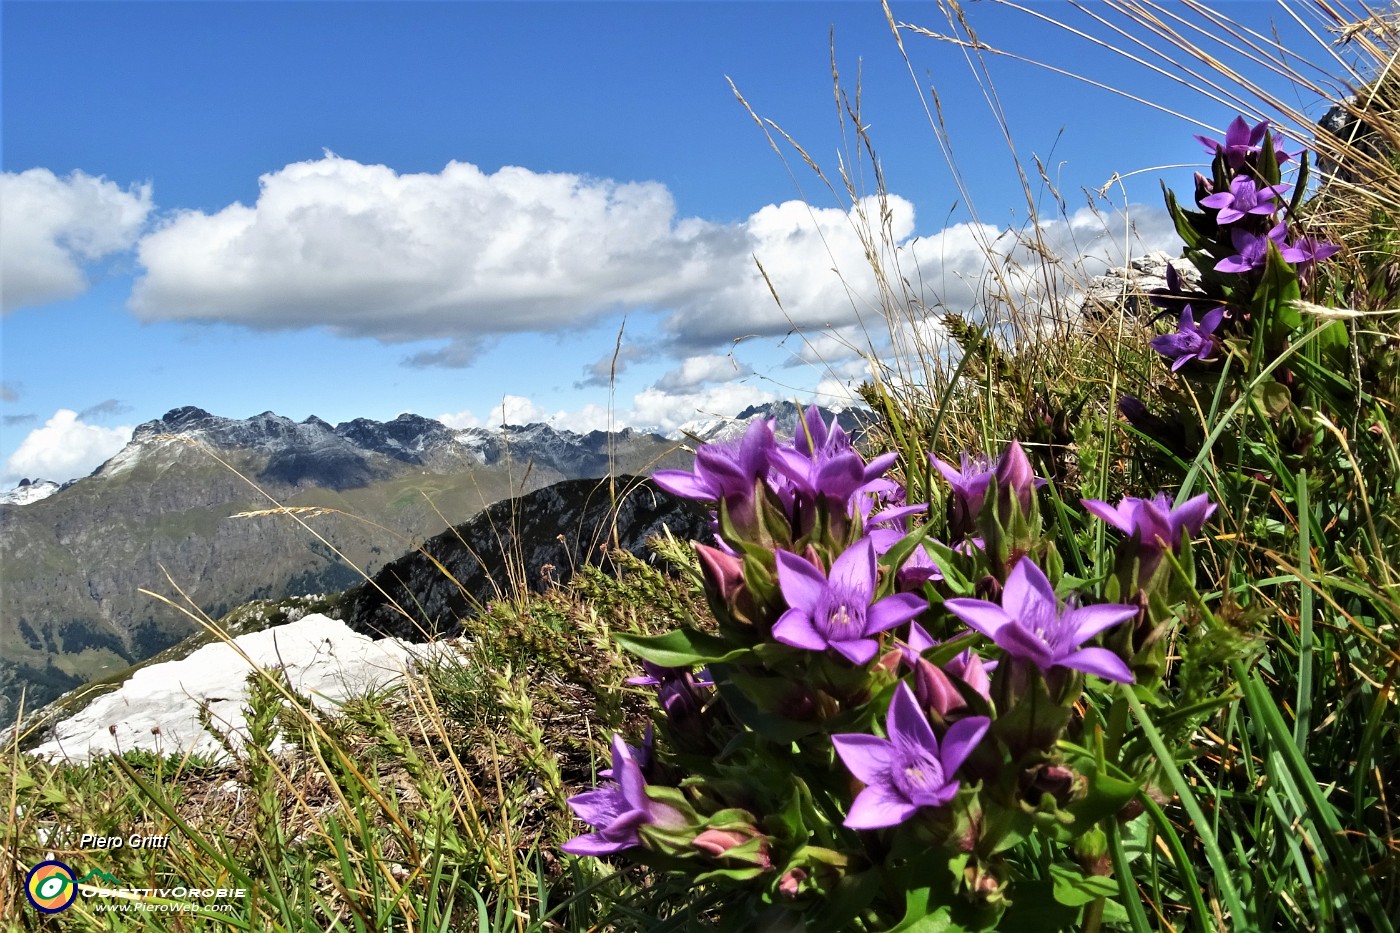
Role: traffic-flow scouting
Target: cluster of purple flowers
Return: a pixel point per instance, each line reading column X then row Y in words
column 1250, row 209
column 830, row 516
column 1244, row 217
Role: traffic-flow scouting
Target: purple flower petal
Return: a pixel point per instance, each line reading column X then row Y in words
column 853, row 571
column 682, row 483
column 879, row 465
column 961, row 739
column 878, row 806
column 795, row 628
column 1192, row 514
column 1101, row 663
column 1088, row 621
column 987, row 618
column 598, row 807
column 1019, row 641
column 1120, row 517
column 892, row 611
column 883, row 539
column 866, row 756
column 596, row 845
column 802, row 584
column 856, row 650
column 1026, row 588
column 907, row 725
column 919, row 639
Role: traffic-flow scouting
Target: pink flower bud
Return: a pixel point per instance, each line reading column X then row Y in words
column 717, row 843
column 934, row 690
column 1015, row 477
column 724, row 572
column 790, row 884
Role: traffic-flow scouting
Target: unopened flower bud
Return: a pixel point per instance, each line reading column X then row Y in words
column 935, row 691
column 718, row 843
column 1064, row 785
column 1091, row 849
column 724, row 573
column 1015, row 477
column 790, row 884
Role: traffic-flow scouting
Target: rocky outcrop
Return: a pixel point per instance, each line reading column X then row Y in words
column 1351, row 144
column 1127, row 289
column 532, row 541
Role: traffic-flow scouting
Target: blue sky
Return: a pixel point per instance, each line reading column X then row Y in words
column 359, row 209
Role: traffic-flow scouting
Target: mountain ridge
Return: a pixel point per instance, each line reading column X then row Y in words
column 163, row 515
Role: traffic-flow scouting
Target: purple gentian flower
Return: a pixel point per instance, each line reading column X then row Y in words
column 1133, row 409
column 1241, row 142
column 908, row 770
column 969, row 483
column 836, row 612
column 1013, row 474
column 677, row 692
column 642, row 754
column 822, row 462
column 1252, row 249
column 619, row 810
column 1155, row 522
column 1015, row 477
column 1244, row 198
column 1306, row 250
column 1192, row 341
column 723, row 470
column 887, row 528
column 918, row 568
column 728, row 473
column 1030, row 625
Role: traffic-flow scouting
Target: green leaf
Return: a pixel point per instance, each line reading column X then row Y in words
column 1273, row 397
column 1275, row 301
column 1106, row 795
column 1075, row 889
column 1333, row 338
column 1034, row 909
column 919, row 918
column 853, row 894
column 751, row 698
column 682, row 648
column 1184, row 229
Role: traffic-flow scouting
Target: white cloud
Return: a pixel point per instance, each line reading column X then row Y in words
column 463, row 256
column 830, row 347
column 64, row 448
column 364, row 250
column 51, row 226
column 654, row 409
column 696, row 371
column 517, row 409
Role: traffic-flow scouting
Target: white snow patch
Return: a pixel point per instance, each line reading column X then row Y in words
column 322, row 657
column 33, row 492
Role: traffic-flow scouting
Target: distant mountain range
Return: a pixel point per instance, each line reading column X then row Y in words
column 186, row 508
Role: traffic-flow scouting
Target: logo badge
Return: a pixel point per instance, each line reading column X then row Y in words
column 50, row 887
